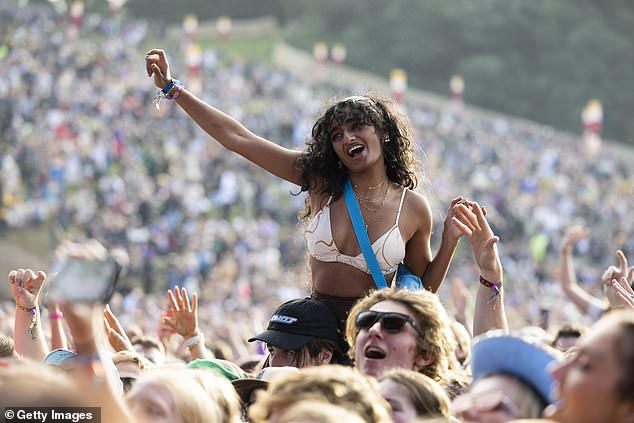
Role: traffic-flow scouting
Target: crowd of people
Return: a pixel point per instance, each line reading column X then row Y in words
column 85, row 148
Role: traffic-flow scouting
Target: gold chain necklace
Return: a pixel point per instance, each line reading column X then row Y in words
column 369, row 203
column 372, row 187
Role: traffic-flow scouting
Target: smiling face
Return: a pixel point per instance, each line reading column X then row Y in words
column 377, row 351
column 587, row 381
column 356, row 143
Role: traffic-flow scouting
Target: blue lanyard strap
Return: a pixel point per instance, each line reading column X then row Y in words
column 362, row 235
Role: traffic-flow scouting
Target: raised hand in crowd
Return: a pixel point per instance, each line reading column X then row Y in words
column 166, row 334
column 58, row 336
column 116, row 334
column 94, row 374
column 585, row 302
column 184, row 321
column 489, row 309
column 624, row 291
column 29, row 337
column 451, row 234
column 617, row 273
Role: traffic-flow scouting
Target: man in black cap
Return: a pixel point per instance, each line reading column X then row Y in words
column 303, row 333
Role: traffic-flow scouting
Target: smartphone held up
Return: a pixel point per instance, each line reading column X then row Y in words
column 81, row 273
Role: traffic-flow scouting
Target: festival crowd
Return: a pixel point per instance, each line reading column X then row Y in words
column 214, row 278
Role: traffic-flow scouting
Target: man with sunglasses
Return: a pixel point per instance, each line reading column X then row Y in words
column 393, row 328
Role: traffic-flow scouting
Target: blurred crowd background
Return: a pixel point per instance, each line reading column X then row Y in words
column 84, row 153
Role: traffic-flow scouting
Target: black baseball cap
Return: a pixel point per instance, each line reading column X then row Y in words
column 299, row 321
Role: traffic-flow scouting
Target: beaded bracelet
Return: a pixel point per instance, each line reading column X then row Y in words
column 495, row 287
column 33, row 312
column 170, row 92
column 30, row 310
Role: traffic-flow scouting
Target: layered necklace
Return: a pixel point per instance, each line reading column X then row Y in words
column 377, row 195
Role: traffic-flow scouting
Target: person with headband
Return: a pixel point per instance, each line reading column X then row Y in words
column 361, row 141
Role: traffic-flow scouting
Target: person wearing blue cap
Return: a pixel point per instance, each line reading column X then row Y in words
column 511, row 378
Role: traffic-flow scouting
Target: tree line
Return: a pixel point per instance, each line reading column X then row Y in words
column 539, row 59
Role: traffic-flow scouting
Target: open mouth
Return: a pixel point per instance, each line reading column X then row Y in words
column 355, row 150
column 374, row 353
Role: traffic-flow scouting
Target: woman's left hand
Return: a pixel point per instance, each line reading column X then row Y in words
column 450, row 229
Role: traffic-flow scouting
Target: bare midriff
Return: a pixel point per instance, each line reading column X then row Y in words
column 340, row 280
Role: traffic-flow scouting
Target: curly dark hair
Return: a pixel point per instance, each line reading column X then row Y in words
column 319, row 165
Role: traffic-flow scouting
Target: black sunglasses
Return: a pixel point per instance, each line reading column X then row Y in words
column 390, row 322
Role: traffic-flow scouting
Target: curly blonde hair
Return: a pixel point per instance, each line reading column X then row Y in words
column 426, row 395
column 335, row 384
column 431, row 319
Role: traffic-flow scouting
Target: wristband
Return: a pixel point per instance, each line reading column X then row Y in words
column 169, row 87
column 171, row 92
column 495, row 287
column 33, row 313
column 193, row 341
column 175, row 89
column 30, row 310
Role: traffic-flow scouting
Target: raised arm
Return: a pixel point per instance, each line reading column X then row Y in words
column 58, row 336
column 419, row 254
column 117, row 337
column 624, row 291
column 437, row 269
column 185, row 322
column 489, row 308
column 28, row 334
column 568, row 280
column 227, row 131
column 99, row 385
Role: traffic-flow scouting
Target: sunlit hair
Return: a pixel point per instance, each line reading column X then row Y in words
column 7, row 347
column 462, row 339
column 32, row 384
column 199, row 395
column 426, row 395
column 432, row 320
column 339, row 385
column 317, row 411
column 624, row 348
column 319, row 165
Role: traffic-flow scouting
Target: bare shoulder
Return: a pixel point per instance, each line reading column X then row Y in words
column 417, row 203
column 416, row 214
